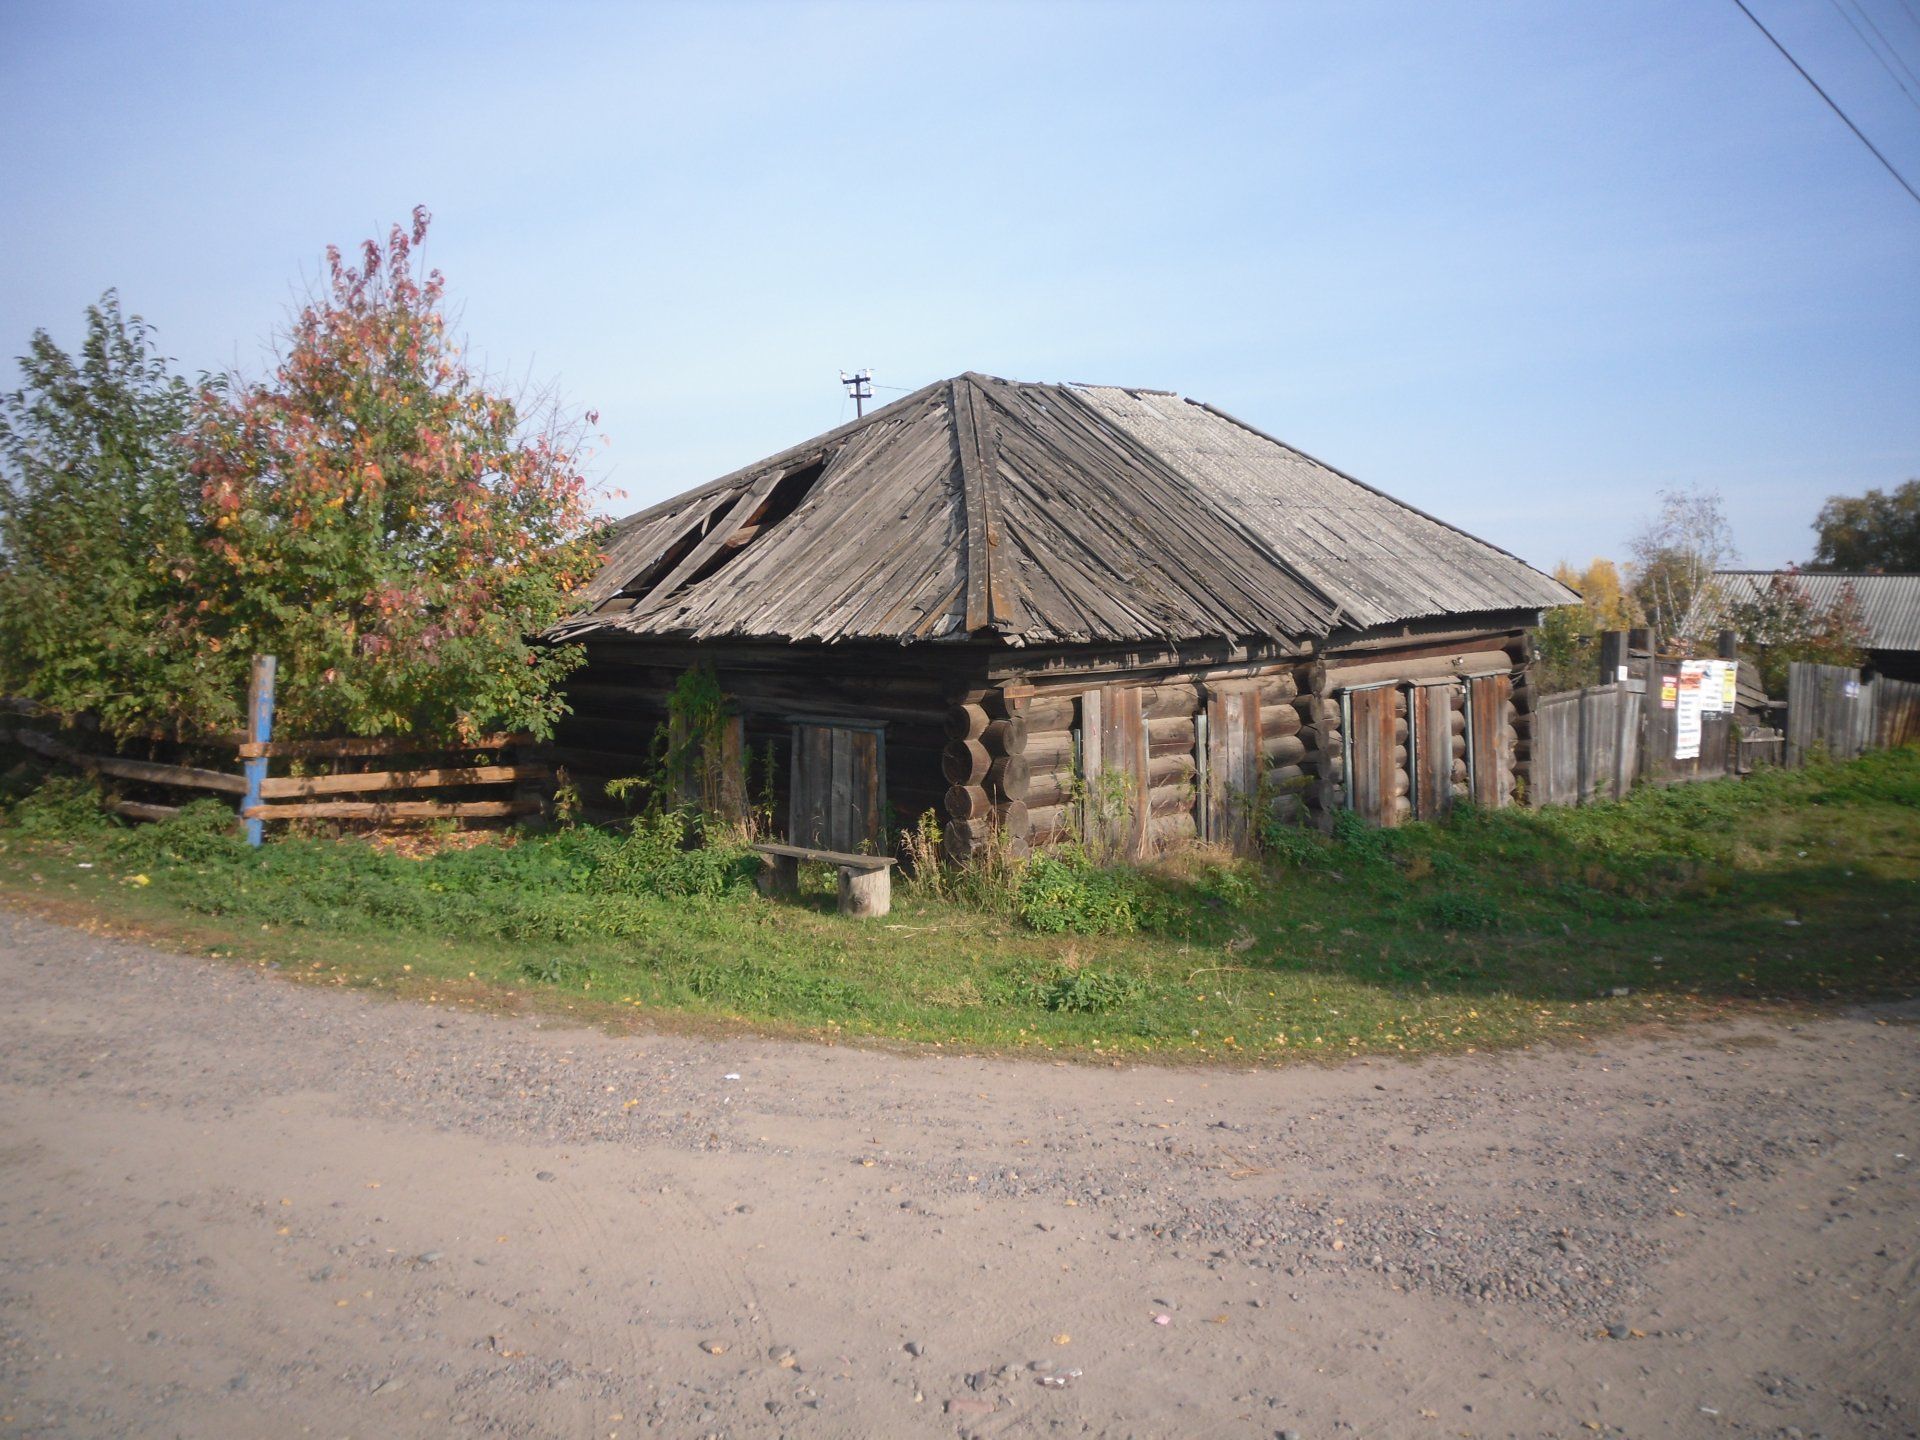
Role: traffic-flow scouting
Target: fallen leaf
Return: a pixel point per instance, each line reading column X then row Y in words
column 1063, row 1338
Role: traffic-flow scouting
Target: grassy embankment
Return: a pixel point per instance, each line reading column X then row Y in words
column 1497, row 929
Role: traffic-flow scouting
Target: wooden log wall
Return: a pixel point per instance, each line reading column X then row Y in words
column 619, row 702
column 1324, row 755
column 1001, row 756
column 1520, row 717
column 990, row 774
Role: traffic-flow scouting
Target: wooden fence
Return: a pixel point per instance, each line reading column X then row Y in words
column 1840, row 713
column 365, row 781
column 1896, row 712
column 1586, row 745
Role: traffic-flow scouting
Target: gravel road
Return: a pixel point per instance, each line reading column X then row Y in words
column 235, row 1206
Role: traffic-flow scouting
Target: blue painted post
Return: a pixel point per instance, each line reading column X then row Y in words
column 259, row 732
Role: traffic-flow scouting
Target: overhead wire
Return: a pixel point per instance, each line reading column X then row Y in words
column 1832, row 105
column 1874, row 50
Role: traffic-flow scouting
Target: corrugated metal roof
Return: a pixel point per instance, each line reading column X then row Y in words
column 1043, row 514
column 1890, row 604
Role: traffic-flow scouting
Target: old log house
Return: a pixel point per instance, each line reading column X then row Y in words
column 1056, row 611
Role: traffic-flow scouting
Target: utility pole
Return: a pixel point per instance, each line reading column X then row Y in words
column 859, row 385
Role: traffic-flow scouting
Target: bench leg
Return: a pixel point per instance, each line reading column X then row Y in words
column 866, row 892
column 779, row 876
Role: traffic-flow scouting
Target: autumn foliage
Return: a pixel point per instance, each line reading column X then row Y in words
column 376, row 515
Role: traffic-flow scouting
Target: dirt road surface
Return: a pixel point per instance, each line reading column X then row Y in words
column 235, row 1206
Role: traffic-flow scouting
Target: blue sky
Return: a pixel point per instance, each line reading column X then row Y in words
column 1522, row 265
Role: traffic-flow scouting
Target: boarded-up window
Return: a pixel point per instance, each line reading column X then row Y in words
column 839, row 797
column 1113, row 770
column 1378, row 782
column 1490, row 739
column 1233, row 761
column 1432, row 710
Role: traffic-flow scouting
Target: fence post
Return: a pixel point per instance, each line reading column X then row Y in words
column 1613, row 656
column 259, row 732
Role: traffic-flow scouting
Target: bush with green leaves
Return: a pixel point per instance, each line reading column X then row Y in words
column 57, row 807
column 1083, row 990
column 1072, row 896
column 384, row 520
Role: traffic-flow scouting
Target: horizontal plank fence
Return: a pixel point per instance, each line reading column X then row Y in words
column 362, row 781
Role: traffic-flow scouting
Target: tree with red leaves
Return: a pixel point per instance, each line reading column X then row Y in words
column 383, row 521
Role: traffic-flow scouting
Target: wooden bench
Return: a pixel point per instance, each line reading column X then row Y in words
column 866, row 881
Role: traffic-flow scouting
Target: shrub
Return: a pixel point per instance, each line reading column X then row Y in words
column 60, row 807
column 1460, row 910
column 203, row 831
column 1060, row 897
column 1083, row 991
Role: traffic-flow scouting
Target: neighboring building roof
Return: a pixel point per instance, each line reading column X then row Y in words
column 1890, row 604
column 1042, row 514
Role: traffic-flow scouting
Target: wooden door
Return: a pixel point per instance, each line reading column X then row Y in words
column 1113, row 771
column 1431, row 710
column 1490, row 751
column 1233, row 766
column 1373, row 782
column 839, row 798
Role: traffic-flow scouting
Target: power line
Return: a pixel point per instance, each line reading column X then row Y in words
column 1875, row 52
column 1858, row 133
column 1892, row 49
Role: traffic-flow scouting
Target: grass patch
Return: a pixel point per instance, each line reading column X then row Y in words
column 1498, row 928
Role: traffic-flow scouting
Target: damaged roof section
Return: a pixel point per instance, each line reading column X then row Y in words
column 1040, row 514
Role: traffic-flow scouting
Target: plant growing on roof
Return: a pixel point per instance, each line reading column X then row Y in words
column 388, row 524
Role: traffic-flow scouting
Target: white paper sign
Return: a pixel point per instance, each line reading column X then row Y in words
column 1713, row 688
column 1686, row 717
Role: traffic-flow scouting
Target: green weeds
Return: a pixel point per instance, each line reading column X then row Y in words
column 1496, row 928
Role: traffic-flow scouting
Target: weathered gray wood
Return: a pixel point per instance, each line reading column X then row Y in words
column 966, row 722
column 139, row 810
column 287, row 786
column 392, row 810
column 779, row 874
column 322, row 749
column 865, row 893
column 186, row 776
column 1830, row 711
column 857, row 860
column 965, row 762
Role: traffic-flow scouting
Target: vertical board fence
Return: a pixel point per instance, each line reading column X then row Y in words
column 1896, row 712
column 1829, row 711
column 1586, row 745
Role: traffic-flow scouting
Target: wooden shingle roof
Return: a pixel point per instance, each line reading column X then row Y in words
column 1041, row 514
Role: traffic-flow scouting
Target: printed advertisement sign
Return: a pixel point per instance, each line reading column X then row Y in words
column 1713, row 688
column 1686, row 719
